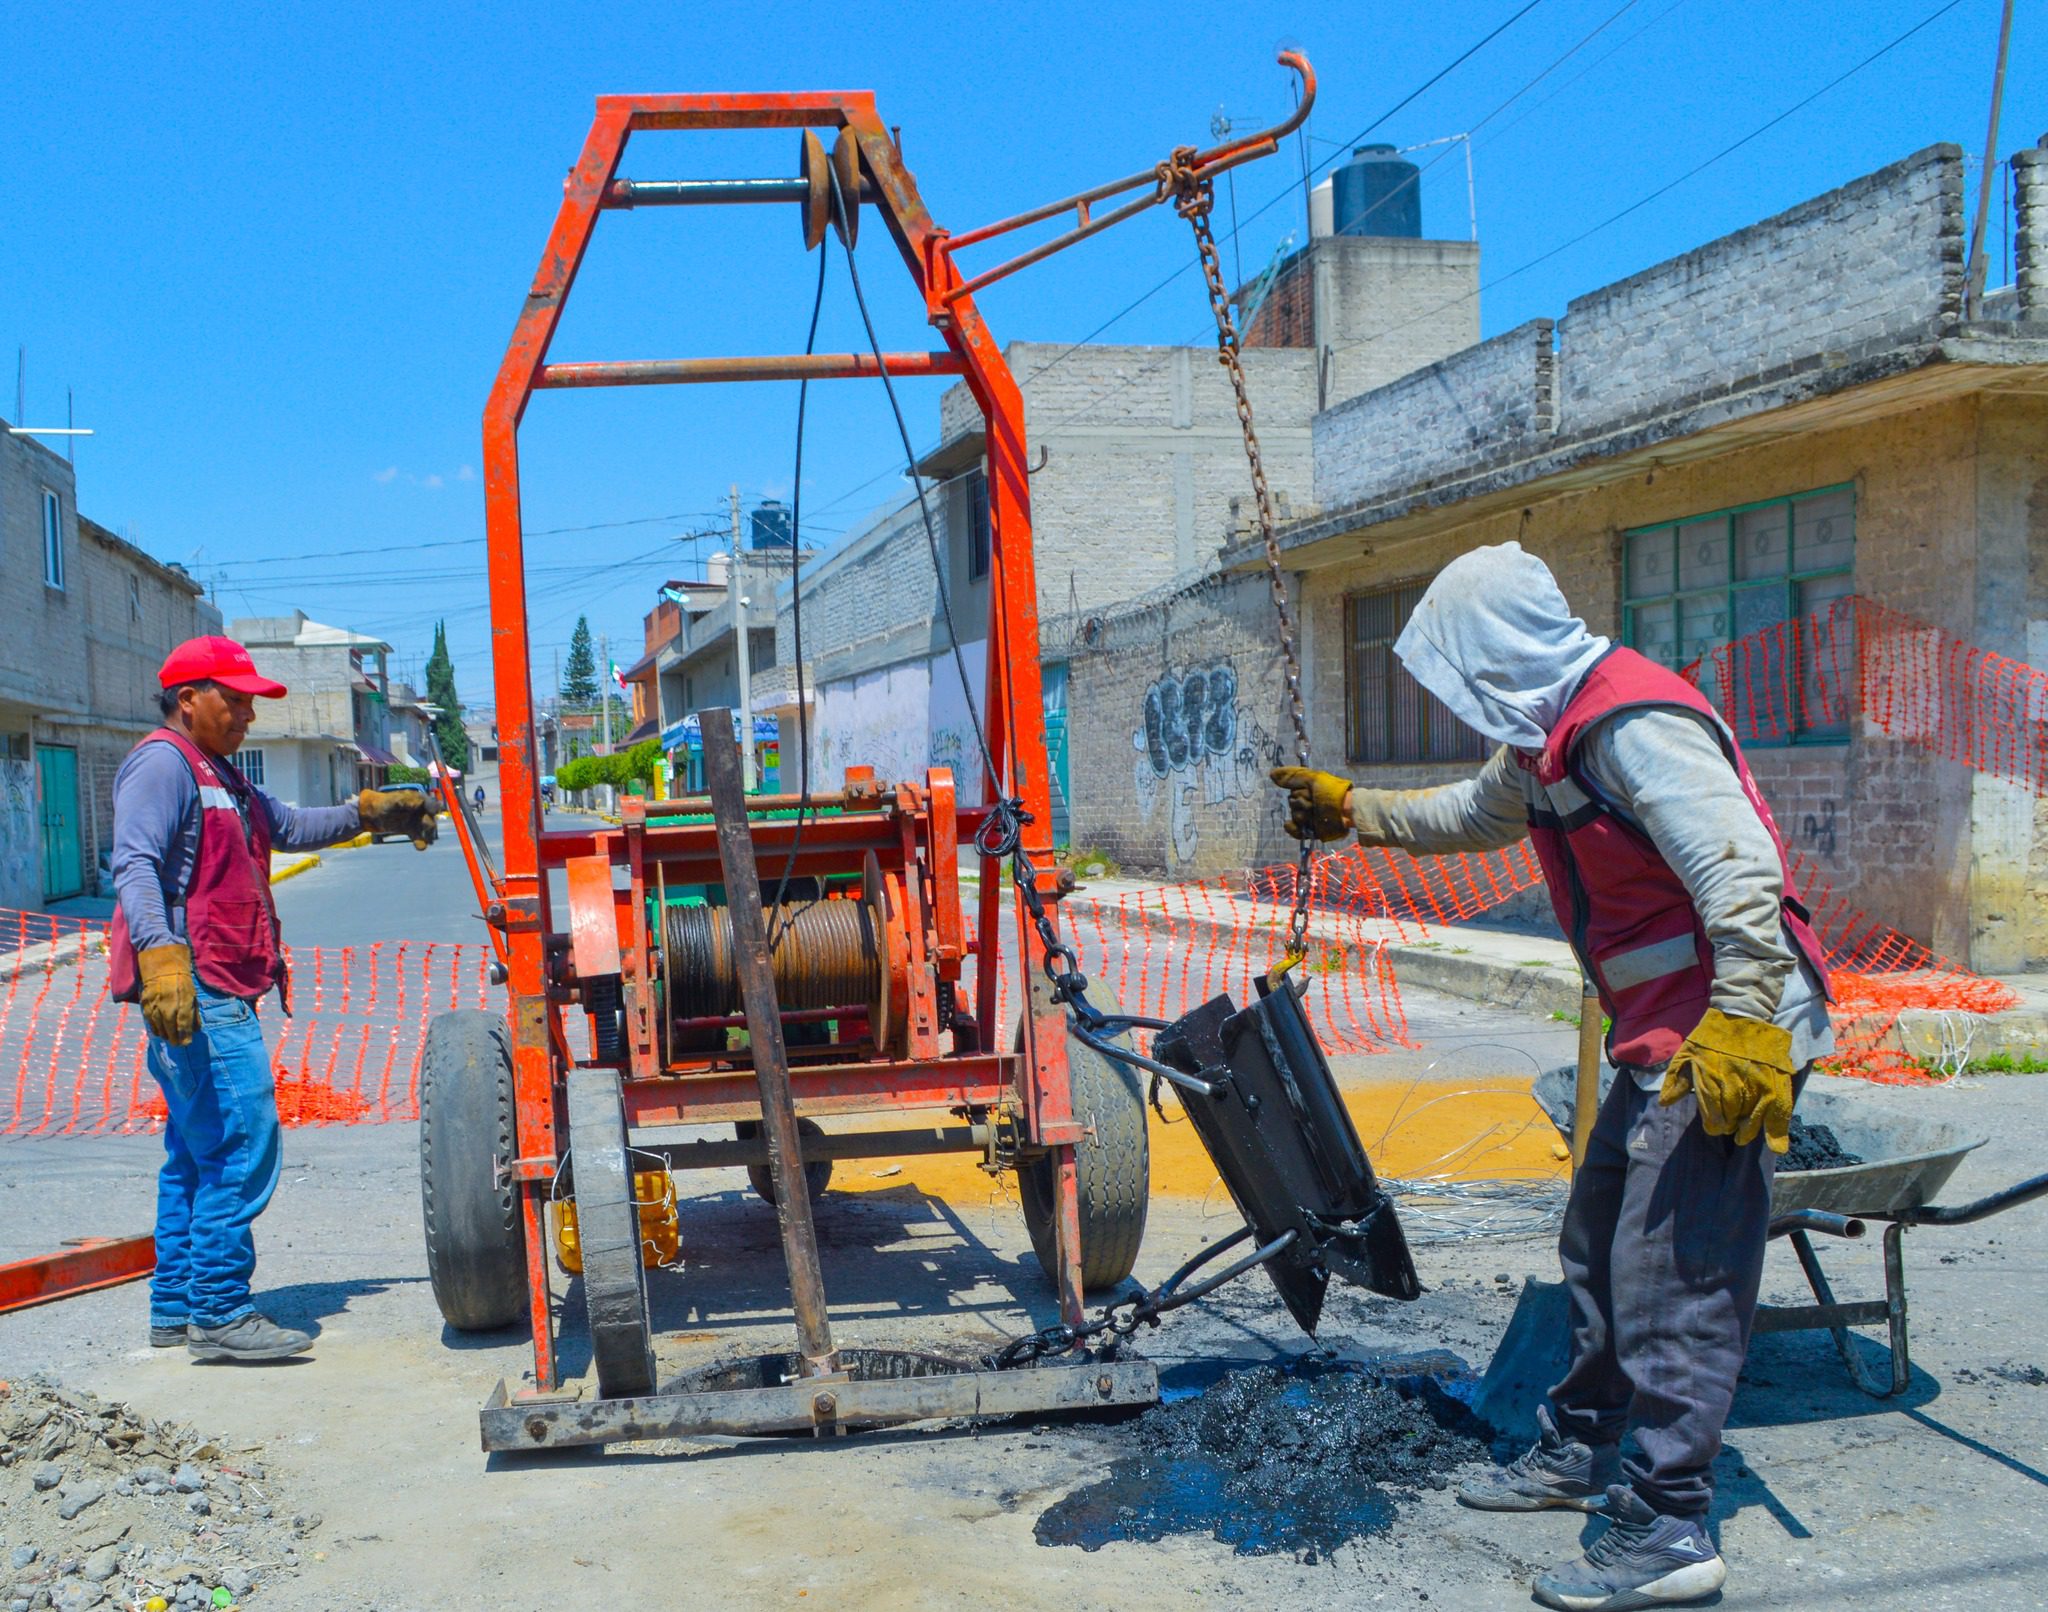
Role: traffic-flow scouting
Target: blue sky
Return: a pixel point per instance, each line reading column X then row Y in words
column 276, row 251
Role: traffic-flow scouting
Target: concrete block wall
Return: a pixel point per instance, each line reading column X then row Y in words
column 1384, row 307
column 43, row 651
column 1175, row 716
column 1143, row 454
column 1866, row 266
column 1450, row 416
column 2030, row 230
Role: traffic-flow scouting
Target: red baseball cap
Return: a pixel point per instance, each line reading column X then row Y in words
column 217, row 660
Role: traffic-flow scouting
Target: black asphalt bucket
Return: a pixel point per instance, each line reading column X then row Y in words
column 1284, row 1144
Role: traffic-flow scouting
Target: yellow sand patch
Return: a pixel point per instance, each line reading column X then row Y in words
column 1412, row 1130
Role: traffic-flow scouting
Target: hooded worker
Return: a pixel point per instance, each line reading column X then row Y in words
column 1669, row 877
column 195, row 942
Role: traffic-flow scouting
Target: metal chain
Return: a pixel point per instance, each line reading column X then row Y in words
column 1196, row 197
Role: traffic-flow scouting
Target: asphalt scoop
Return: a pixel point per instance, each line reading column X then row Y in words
column 1270, row 1460
column 101, row 1506
column 1815, row 1147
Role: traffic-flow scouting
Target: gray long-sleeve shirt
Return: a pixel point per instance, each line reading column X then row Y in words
column 1668, row 774
column 156, row 838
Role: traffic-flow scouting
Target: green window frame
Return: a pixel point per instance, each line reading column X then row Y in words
column 1690, row 586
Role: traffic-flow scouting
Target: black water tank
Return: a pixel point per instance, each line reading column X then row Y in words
column 771, row 525
column 1377, row 193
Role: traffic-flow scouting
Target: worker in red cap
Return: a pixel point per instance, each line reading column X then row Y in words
column 195, row 941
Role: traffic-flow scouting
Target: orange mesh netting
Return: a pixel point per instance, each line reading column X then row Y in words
column 350, row 1052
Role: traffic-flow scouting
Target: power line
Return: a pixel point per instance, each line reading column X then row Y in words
column 1137, row 302
column 1672, row 184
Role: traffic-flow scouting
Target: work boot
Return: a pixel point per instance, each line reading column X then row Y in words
column 168, row 1337
column 1643, row 1559
column 1556, row 1472
column 253, row 1337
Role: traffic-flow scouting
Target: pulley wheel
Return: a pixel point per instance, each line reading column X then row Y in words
column 846, row 168
column 608, row 1223
column 818, row 203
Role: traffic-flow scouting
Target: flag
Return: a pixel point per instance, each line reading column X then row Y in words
column 617, row 678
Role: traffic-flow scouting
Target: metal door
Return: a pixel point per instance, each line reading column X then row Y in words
column 57, row 781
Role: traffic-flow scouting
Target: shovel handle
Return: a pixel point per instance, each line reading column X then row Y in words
column 1586, row 1096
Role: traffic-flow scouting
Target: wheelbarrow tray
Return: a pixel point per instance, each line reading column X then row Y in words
column 1908, row 1159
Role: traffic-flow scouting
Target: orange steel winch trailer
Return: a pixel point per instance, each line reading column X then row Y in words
column 865, row 991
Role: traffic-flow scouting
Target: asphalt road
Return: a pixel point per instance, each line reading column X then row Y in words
column 1827, row 1498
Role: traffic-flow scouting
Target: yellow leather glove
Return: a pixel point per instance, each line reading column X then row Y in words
column 398, row 811
column 1315, row 802
column 1741, row 1072
column 170, row 1000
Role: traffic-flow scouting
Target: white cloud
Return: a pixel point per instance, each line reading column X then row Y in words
column 389, row 473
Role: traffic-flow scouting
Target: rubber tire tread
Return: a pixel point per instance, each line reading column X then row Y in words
column 475, row 1234
column 608, row 1225
column 817, row 1173
column 1114, row 1163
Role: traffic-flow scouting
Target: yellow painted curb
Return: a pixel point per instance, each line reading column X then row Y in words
column 292, row 870
column 363, row 838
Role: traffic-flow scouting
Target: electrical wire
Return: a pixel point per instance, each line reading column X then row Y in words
column 778, row 920
column 1137, row 302
column 1672, row 184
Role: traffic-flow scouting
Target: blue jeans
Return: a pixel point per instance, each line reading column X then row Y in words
column 222, row 1157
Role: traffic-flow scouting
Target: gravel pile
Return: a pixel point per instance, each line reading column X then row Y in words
column 103, row 1507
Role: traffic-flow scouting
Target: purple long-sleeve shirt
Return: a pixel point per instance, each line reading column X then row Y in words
column 156, row 838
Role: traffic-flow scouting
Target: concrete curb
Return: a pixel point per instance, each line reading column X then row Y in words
column 291, row 870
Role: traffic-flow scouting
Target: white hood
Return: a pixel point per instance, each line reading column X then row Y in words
column 1493, row 638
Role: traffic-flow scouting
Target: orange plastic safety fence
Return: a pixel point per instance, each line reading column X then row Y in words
column 1904, row 677
column 348, row 1053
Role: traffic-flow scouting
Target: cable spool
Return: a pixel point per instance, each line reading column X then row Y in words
column 828, row 954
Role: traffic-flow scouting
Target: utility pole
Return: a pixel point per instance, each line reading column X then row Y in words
column 736, row 592
column 604, row 706
column 1973, row 293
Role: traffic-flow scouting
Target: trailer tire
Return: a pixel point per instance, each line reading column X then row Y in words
column 817, row 1172
column 476, row 1237
column 1114, row 1161
column 608, row 1227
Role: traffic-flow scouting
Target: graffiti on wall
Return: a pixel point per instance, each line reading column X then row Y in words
column 1195, row 748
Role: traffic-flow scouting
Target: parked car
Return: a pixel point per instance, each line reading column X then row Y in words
column 415, row 789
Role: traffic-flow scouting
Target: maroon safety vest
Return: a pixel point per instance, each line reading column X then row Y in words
column 230, row 919
column 1628, row 914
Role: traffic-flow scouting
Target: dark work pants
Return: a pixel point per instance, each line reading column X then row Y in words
column 1663, row 1252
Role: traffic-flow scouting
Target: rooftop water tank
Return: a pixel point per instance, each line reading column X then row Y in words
column 1377, row 193
column 771, row 525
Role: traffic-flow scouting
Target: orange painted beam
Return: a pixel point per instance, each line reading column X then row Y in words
column 89, row 1264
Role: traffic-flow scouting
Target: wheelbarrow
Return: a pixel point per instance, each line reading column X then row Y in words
column 1908, row 1160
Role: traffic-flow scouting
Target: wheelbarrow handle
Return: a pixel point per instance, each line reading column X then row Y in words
column 1818, row 1220
column 1962, row 1214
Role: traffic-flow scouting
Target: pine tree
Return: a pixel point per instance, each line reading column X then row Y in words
column 449, row 737
column 579, row 672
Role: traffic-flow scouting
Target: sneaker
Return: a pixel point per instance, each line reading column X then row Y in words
column 253, row 1337
column 1643, row 1559
column 167, row 1337
column 1557, row 1472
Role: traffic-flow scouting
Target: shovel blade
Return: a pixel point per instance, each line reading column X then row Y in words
column 1281, row 1138
column 1530, row 1361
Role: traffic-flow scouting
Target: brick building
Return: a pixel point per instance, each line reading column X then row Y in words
column 1725, row 442
column 331, row 734
column 89, row 618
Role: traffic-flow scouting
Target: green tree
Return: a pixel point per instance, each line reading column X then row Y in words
column 449, row 736
column 579, row 672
